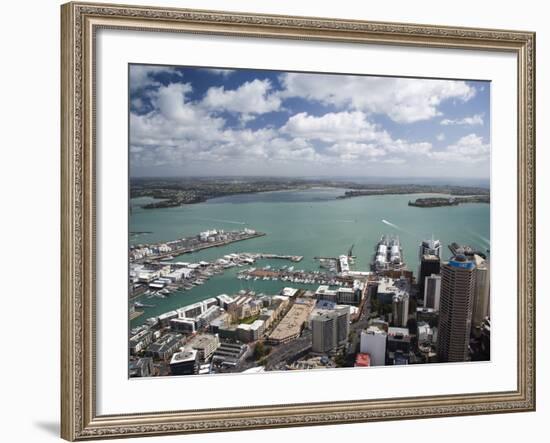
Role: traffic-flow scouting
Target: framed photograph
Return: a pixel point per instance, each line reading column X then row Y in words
column 277, row 221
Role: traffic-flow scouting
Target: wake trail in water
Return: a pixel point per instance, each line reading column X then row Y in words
column 485, row 240
column 394, row 226
column 386, row 222
column 233, row 222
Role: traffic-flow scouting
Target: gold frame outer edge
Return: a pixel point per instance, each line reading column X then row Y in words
column 79, row 21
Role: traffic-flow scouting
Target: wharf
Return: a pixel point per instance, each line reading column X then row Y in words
column 135, row 314
column 191, row 249
column 293, row 258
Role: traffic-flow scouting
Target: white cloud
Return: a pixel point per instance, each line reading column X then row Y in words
column 468, row 149
column 333, row 126
column 440, row 137
column 142, row 75
column 403, row 100
column 351, row 135
column 473, row 120
column 250, row 98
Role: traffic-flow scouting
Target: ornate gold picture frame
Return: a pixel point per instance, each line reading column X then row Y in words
column 80, row 22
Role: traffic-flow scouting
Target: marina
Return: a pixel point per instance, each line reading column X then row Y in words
column 310, row 222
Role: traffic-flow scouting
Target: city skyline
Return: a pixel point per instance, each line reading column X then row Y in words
column 188, row 121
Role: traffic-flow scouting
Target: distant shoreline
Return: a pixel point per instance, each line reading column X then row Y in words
column 173, row 194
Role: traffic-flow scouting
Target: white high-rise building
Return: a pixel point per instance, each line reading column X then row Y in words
column 373, row 342
column 432, row 291
column 481, row 294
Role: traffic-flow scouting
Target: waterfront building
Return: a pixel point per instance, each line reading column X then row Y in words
column 349, row 296
column 324, row 292
column 373, row 342
column 209, row 302
column 183, row 325
column 204, row 319
column 330, row 329
column 191, row 311
column 429, row 264
column 225, row 301
column 142, row 367
column 343, row 264
column 432, row 291
column 185, row 362
column 400, row 309
column 164, row 319
column 481, row 294
column 289, row 292
column 458, row 283
column 205, row 345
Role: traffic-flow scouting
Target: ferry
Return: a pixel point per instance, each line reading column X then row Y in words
column 388, row 255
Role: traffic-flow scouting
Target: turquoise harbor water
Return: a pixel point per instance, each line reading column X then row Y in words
column 308, row 223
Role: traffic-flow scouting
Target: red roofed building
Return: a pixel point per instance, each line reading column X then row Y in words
column 362, row 360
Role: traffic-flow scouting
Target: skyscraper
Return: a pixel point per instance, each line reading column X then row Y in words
column 400, row 309
column 458, row 282
column 481, row 298
column 429, row 264
column 430, row 247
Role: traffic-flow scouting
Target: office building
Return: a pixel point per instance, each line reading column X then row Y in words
column 398, row 346
column 458, row 283
column 230, row 354
column 164, row 319
column 205, row 345
column 430, row 247
column 429, row 265
column 481, row 294
column 292, row 324
column 164, row 347
column 432, row 291
column 400, row 309
column 183, row 325
column 330, row 329
column 185, row 362
column 373, row 342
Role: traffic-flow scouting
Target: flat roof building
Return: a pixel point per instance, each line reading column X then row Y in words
column 185, row 363
column 293, row 322
column 205, row 345
column 373, row 342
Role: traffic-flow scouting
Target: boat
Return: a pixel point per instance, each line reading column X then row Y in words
column 388, row 255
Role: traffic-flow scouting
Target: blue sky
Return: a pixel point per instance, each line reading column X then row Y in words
column 187, row 121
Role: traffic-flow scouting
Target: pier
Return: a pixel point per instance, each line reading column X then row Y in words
column 304, row 277
column 187, row 246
